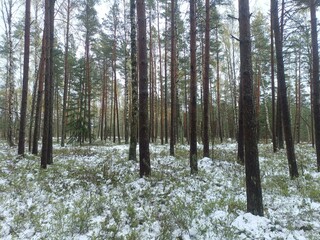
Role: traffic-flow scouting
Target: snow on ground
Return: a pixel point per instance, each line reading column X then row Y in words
column 94, row 192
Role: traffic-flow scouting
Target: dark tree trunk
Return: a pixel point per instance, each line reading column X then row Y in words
column 145, row 167
column 293, row 169
column 220, row 128
column 274, row 129
column 315, row 79
column 253, row 184
column 40, row 77
column 88, row 82
column 240, row 127
column 206, row 152
column 46, row 153
column 193, row 90
column 166, row 77
column 134, row 84
column 173, row 80
column 24, row 97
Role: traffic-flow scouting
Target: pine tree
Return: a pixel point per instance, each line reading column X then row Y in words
column 253, row 182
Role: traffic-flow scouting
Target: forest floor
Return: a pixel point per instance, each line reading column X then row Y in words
column 94, row 192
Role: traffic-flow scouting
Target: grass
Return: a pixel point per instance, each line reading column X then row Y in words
column 94, row 191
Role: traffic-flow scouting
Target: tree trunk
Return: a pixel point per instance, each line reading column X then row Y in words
column 274, row 129
column 66, row 77
column 161, row 81
column 145, row 167
column 88, row 85
column 41, row 76
column 134, row 84
column 46, row 153
column 253, row 184
column 240, row 127
column 293, row 169
column 173, row 79
column 206, row 152
column 193, row 90
column 315, row 79
column 24, row 97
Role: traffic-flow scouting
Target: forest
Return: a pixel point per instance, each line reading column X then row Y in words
column 157, row 119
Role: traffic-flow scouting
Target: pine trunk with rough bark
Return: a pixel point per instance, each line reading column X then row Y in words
column 193, row 90
column 206, row 152
column 293, row 169
column 173, row 80
column 46, row 152
column 145, row 167
column 253, row 182
column 24, row 97
column 66, row 77
column 134, row 84
column 315, row 79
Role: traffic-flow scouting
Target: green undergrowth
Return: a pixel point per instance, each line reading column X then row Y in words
column 95, row 192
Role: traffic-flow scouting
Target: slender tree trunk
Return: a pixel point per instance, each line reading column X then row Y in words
column 218, row 91
column 173, row 79
column 161, row 81
column 88, row 83
column 293, row 169
column 240, row 127
column 134, row 84
column 166, row 76
column 24, row 97
column 145, row 167
column 46, row 153
column 66, row 77
column 315, row 79
column 206, row 152
column 297, row 121
column 274, row 129
column 7, row 8
column 253, row 184
column 193, row 90
column 41, row 76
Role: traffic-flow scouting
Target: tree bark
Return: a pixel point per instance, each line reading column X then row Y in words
column 173, row 79
column 193, row 90
column 206, row 152
column 253, row 184
column 66, row 77
column 274, row 129
column 46, row 152
column 145, row 167
column 41, row 76
column 293, row 169
column 315, row 79
column 24, row 97
column 134, row 84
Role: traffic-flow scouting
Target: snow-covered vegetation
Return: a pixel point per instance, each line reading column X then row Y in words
column 94, row 192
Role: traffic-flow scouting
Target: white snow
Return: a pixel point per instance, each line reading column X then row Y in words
column 96, row 193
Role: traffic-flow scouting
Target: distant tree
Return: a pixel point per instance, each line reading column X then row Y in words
column 145, row 167
column 24, row 98
column 8, row 48
column 253, row 182
column 88, row 17
column 193, row 90
column 66, row 74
